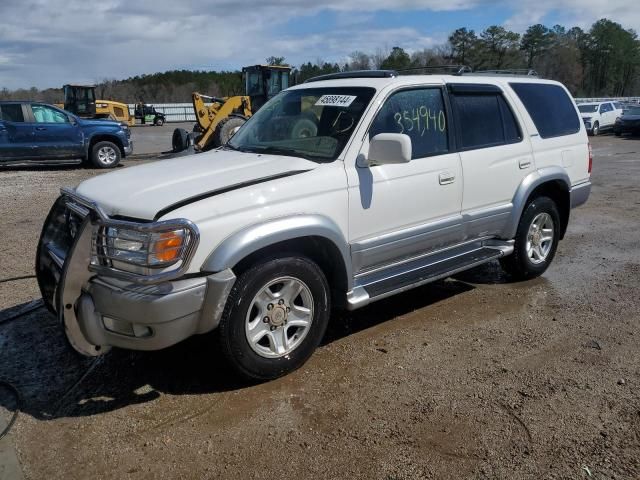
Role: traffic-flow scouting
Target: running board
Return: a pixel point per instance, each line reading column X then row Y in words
column 408, row 275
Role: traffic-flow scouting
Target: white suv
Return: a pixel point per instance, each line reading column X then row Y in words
column 599, row 116
column 337, row 193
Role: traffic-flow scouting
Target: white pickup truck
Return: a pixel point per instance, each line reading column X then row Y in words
column 599, row 116
column 396, row 181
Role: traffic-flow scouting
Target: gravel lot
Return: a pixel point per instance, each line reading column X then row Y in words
column 472, row 377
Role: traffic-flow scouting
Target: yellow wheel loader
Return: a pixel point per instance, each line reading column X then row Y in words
column 81, row 100
column 219, row 118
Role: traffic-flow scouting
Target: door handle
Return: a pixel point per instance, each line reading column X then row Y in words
column 446, row 178
column 524, row 163
column 40, row 129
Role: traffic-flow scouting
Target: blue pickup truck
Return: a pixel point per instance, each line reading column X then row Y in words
column 37, row 133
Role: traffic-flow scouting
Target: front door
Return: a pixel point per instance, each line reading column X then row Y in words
column 402, row 210
column 56, row 137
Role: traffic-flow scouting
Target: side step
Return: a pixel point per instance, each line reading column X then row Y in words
column 398, row 278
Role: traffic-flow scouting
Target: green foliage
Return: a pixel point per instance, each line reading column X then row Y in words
column 535, row 42
column 275, row 61
column 397, row 60
column 308, row 70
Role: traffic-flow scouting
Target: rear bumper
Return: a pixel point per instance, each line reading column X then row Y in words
column 580, row 194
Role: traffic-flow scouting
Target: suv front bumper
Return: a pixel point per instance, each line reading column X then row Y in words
column 113, row 312
column 99, row 311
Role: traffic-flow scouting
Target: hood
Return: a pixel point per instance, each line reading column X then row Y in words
column 146, row 190
column 98, row 123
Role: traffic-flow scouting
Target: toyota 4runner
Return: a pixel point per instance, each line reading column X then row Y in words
column 339, row 192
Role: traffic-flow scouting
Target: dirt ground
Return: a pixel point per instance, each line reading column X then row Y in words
column 472, row 377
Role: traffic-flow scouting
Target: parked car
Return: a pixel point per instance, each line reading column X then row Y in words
column 598, row 117
column 37, row 133
column 628, row 122
column 150, row 115
column 395, row 182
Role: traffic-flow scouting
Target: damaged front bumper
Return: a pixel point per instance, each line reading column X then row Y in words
column 100, row 307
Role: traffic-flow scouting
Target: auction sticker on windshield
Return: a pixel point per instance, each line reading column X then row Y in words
column 335, row 100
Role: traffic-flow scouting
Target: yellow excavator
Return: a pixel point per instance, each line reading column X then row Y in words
column 81, row 100
column 219, row 118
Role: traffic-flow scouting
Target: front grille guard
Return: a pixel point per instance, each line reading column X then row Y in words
column 102, row 265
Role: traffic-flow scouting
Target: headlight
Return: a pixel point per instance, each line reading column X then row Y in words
column 156, row 249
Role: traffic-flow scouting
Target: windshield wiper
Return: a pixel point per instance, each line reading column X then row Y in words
column 286, row 151
column 231, row 147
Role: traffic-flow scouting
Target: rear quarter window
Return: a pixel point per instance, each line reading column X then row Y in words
column 551, row 109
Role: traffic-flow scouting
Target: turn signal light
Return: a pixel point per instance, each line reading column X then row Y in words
column 167, row 247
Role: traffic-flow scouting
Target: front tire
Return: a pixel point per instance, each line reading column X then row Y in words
column 159, row 122
column 275, row 317
column 595, row 130
column 105, row 155
column 536, row 240
column 227, row 129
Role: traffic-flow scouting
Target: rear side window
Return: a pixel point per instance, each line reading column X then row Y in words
column 11, row 112
column 484, row 120
column 606, row 107
column 418, row 113
column 550, row 108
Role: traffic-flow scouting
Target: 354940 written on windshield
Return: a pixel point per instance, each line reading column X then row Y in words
column 420, row 120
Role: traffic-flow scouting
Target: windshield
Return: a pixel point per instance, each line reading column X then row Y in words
column 588, row 108
column 313, row 123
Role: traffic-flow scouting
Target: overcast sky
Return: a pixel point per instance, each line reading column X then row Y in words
column 46, row 43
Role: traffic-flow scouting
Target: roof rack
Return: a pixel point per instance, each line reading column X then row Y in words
column 355, row 74
column 429, row 69
column 458, row 70
column 516, row 72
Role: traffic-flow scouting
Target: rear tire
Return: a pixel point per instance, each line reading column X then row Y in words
column 536, row 240
column 180, row 140
column 105, row 155
column 267, row 329
column 226, row 129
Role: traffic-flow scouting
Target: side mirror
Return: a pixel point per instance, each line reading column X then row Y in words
column 389, row 148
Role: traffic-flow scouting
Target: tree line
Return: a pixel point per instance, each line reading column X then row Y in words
column 601, row 61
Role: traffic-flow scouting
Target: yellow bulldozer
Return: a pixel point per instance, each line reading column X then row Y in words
column 219, row 118
column 81, row 100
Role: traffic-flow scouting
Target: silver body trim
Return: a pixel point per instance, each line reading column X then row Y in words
column 580, row 194
column 251, row 239
column 167, row 313
column 528, row 185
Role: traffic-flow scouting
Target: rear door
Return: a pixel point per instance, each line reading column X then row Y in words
column 495, row 156
column 55, row 134
column 16, row 135
column 607, row 115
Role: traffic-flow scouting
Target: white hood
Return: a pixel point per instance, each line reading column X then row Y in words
column 144, row 190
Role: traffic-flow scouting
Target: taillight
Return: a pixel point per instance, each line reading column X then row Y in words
column 590, row 159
